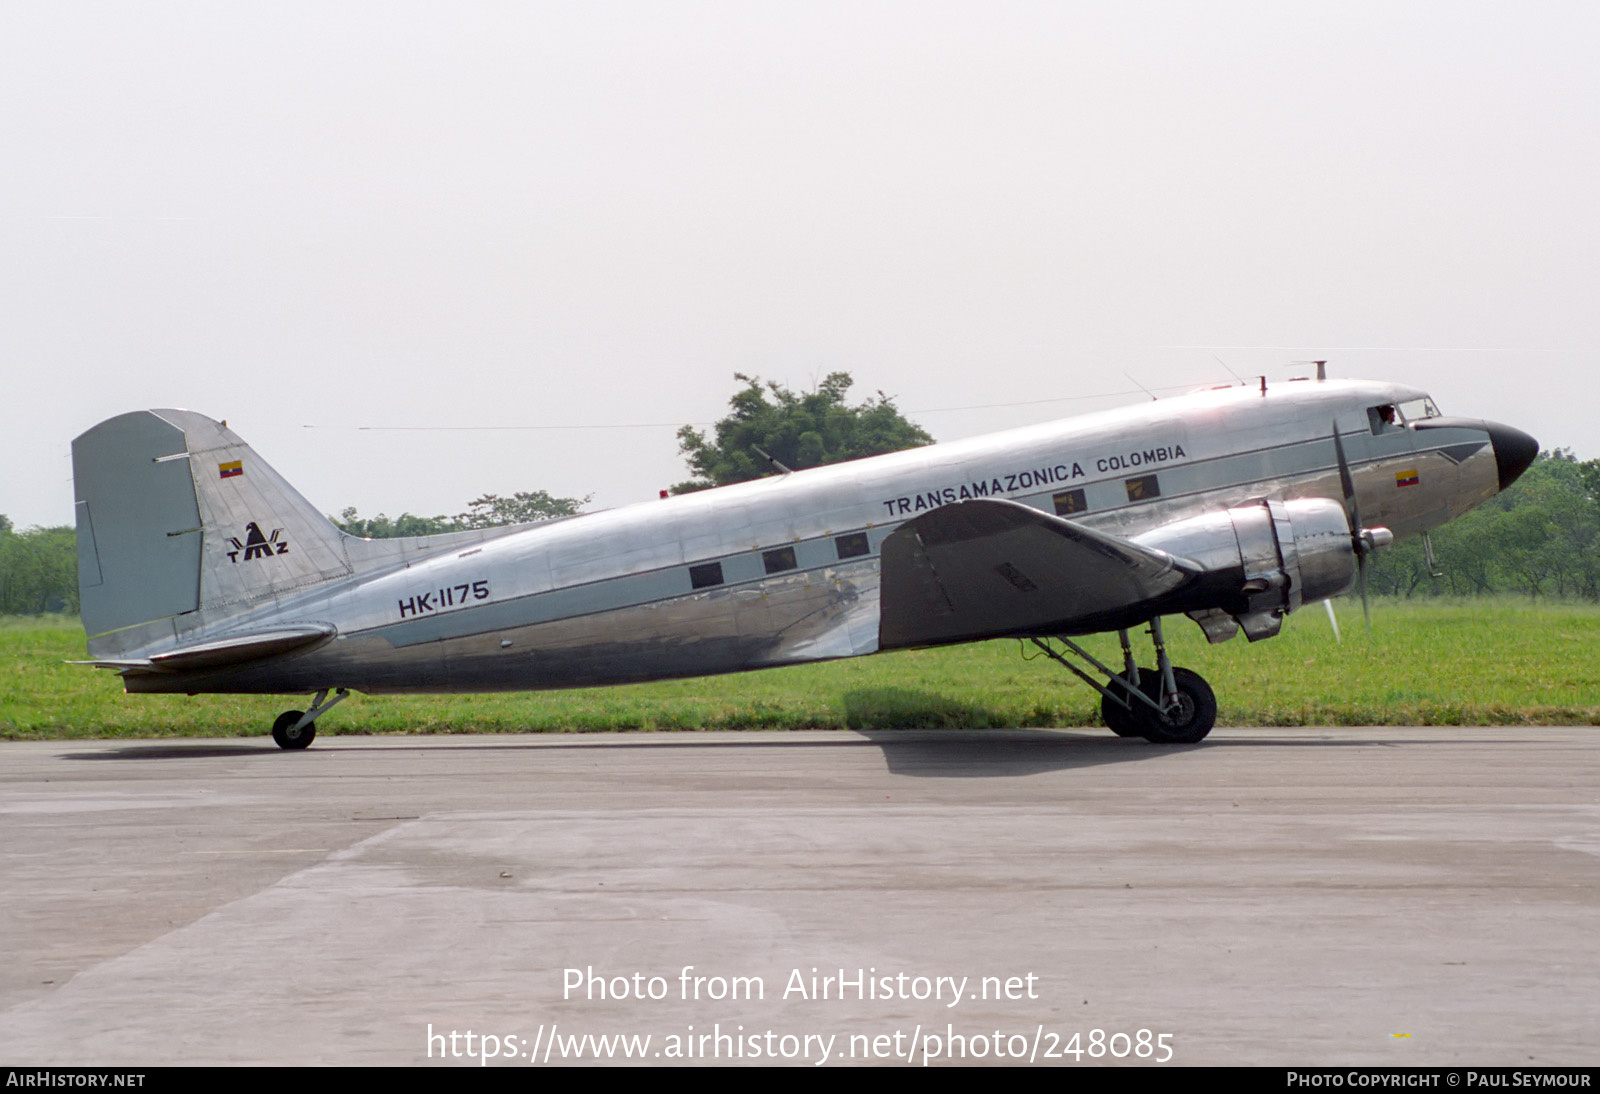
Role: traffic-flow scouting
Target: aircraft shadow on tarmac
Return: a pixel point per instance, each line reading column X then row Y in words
column 179, row 750
column 921, row 733
column 885, row 715
column 921, row 753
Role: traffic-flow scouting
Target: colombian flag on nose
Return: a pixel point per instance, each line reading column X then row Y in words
column 229, row 470
column 1406, row 478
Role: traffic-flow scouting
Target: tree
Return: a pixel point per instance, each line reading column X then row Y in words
column 38, row 570
column 383, row 527
column 797, row 430
column 489, row 511
column 1589, row 476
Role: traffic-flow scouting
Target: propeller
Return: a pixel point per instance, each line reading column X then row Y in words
column 1363, row 540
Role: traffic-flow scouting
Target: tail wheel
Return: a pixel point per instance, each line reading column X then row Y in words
column 1187, row 720
column 287, row 736
column 1121, row 720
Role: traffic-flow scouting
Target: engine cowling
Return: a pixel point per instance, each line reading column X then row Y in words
column 1286, row 553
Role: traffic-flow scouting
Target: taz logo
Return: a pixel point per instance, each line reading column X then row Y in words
column 256, row 545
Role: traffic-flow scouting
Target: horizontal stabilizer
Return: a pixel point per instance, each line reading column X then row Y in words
column 223, row 651
column 991, row 568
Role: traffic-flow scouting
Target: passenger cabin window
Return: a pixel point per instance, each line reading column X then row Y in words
column 1143, row 488
column 779, row 560
column 1069, row 502
column 703, row 577
column 853, row 545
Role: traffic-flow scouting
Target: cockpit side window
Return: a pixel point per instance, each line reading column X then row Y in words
column 1391, row 416
column 1383, row 419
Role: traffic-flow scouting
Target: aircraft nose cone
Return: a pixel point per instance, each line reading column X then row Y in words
column 1514, row 450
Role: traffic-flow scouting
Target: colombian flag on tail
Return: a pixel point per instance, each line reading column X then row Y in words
column 229, row 470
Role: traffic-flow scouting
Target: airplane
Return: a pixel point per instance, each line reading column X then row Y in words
column 202, row 570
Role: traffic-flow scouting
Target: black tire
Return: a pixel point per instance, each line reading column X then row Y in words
column 1193, row 718
column 283, row 730
column 1121, row 720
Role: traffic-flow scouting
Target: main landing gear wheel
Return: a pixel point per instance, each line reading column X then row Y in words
column 1187, row 719
column 287, row 736
column 1120, row 719
column 284, row 731
column 1184, row 718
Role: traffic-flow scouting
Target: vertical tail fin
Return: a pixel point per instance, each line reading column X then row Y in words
column 176, row 514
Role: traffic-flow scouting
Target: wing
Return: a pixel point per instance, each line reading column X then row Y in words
column 992, row 568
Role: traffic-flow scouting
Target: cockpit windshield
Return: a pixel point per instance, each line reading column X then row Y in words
column 1417, row 409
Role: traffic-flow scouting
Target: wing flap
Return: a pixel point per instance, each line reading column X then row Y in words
column 991, row 568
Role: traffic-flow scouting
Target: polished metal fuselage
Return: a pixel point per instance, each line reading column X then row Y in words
column 612, row 597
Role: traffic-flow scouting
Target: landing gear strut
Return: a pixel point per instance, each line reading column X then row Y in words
column 1164, row 705
column 298, row 728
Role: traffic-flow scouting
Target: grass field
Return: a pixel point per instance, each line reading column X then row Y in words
column 1430, row 663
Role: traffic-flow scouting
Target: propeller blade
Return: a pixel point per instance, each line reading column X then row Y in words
column 1358, row 534
column 1346, row 483
column 1333, row 621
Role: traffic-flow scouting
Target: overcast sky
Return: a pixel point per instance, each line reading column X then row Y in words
column 323, row 221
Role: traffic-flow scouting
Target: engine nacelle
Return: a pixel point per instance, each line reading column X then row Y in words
column 1287, row 553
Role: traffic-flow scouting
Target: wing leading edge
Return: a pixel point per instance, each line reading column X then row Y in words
column 993, row 568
